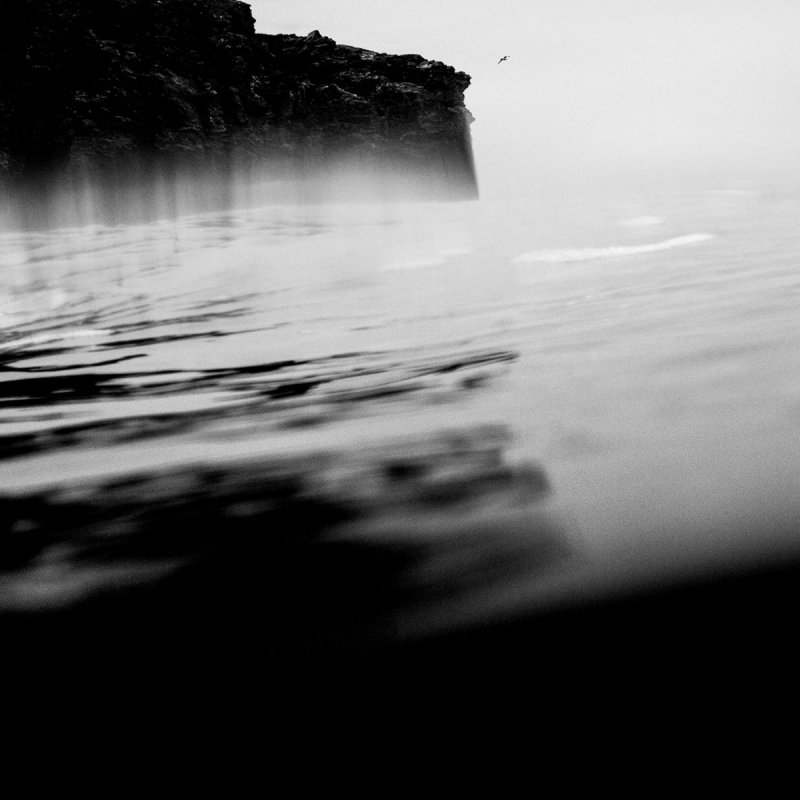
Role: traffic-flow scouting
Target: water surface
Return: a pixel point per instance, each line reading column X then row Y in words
column 395, row 417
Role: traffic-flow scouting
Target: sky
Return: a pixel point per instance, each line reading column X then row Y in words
column 596, row 82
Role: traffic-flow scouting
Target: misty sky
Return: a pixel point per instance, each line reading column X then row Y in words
column 596, row 81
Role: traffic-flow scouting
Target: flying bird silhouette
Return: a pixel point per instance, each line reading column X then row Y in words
column 502, row 59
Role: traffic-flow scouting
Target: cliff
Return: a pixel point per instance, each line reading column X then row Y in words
column 88, row 86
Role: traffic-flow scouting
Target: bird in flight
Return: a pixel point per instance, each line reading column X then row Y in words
column 502, row 59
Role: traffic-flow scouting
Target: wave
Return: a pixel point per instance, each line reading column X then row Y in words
column 588, row 253
column 48, row 338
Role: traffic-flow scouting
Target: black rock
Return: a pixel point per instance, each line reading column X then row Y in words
column 85, row 85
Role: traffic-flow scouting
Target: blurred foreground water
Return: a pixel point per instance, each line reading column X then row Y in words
column 363, row 424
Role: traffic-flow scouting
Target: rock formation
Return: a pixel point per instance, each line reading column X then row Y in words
column 88, row 86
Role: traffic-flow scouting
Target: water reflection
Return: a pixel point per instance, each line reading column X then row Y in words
column 330, row 551
column 276, row 395
column 146, row 188
column 186, row 448
column 327, row 362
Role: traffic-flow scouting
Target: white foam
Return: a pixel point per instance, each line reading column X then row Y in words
column 588, row 253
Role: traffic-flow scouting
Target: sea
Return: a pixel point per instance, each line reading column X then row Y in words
column 374, row 419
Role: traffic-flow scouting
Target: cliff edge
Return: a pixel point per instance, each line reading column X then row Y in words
column 87, row 86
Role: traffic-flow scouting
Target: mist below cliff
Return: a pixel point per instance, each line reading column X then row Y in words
column 167, row 189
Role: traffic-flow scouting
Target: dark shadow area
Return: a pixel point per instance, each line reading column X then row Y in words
column 331, row 556
column 252, row 593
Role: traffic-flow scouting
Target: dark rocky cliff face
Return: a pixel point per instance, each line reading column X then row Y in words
column 85, row 85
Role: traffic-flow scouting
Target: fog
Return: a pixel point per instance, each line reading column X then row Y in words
column 144, row 190
column 596, row 85
column 611, row 92
column 443, row 414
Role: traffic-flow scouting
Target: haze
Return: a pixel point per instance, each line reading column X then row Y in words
column 596, row 84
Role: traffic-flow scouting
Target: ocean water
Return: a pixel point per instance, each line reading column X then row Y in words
column 373, row 421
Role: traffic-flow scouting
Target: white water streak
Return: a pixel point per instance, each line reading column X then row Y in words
column 589, row 253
